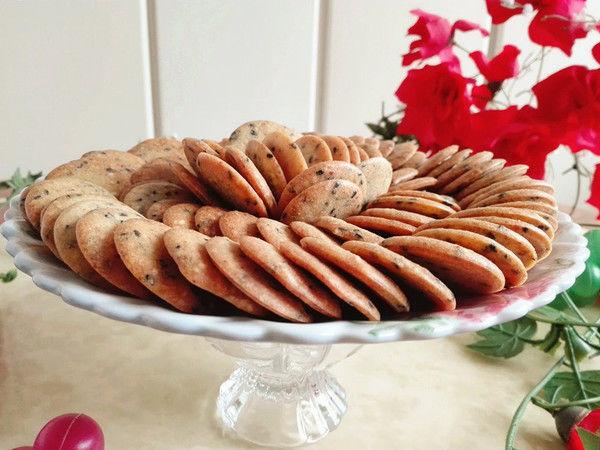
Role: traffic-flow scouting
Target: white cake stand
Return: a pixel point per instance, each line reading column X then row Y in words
column 280, row 393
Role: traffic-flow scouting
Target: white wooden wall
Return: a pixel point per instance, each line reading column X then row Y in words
column 93, row 74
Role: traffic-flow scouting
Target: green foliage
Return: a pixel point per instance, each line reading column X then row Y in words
column 571, row 386
column 505, row 340
column 18, row 182
column 7, row 277
column 590, row 441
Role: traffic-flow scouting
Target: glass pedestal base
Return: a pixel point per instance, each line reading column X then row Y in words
column 281, row 395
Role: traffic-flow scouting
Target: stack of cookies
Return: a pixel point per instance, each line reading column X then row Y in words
column 299, row 227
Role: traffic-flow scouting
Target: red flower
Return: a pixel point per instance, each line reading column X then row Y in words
column 481, row 95
column 596, row 52
column 503, row 66
column 436, row 36
column 594, row 199
column 499, row 13
column 591, row 422
column 437, row 105
column 569, row 101
column 557, row 24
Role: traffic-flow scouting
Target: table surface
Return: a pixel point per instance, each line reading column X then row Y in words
column 154, row 390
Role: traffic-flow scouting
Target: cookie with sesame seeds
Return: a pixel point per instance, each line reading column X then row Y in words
column 337, row 198
column 381, row 225
column 110, row 169
column 267, row 164
column 403, row 174
column 451, row 263
column 244, row 165
column 510, row 184
column 323, row 171
column 415, row 160
column 275, row 232
column 41, row 194
column 462, row 167
column 381, row 285
column 141, row 247
column 287, row 153
column 303, row 229
column 511, row 266
column 181, row 215
column 302, row 285
column 94, row 232
column 236, row 224
column 497, row 232
column 188, row 250
column 378, row 175
column 416, row 184
column 157, row 210
column 142, row 195
column 156, row 170
column 443, row 199
column 193, row 147
column 331, row 277
column 353, row 152
column 314, row 149
column 363, row 154
column 414, row 204
column 387, row 145
column 357, row 139
column 413, row 275
column 338, row 148
column 227, row 182
column 517, row 195
column 161, row 147
column 253, row 281
column 544, row 208
column 437, row 159
column 401, row 154
column 407, row 217
column 371, row 148
column 346, row 231
column 257, row 129
column 449, row 163
column 206, row 220
column 474, row 174
column 466, row 195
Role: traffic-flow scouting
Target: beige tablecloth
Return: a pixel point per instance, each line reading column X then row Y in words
column 154, row 390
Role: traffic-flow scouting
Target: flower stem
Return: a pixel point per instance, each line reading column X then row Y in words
column 514, row 423
column 559, row 405
column 569, row 301
column 575, row 367
column 578, row 192
column 539, row 72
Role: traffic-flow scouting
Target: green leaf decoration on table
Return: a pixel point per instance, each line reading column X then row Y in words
column 7, row 277
column 570, row 387
column 586, row 289
column 505, row 340
column 590, row 441
column 17, row 182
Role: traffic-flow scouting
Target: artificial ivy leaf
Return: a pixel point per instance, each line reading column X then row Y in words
column 589, row 440
column 7, row 277
column 552, row 339
column 505, row 340
column 18, row 181
column 376, row 128
column 564, row 385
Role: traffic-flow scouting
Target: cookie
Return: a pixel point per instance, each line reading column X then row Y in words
column 336, row 281
column 157, row 210
column 248, row 277
column 510, row 184
column 357, row 139
column 223, row 179
column 381, row 225
column 319, row 172
column 287, row 153
column 451, row 263
column 378, row 173
column 140, row 245
column 510, row 213
column 401, row 154
column 371, row 148
column 536, row 237
column 337, row 198
column 207, row 218
column 415, row 160
column 511, row 266
column 65, row 239
column 363, row 154
column 436, row 159
column 413, row 275
column 533, row 206
column 236, row 224
column 404, row 174
column 193, row 183
column 181, row 215
column 43, row 193
column 497, row 232
column 94, row 232
column 383, row 286
column 193, row 147
column 353, row 152
column 517, row 195
column 417, row 205
column 268, row 166
column 443, row 199
column 302, row 286
column 303, row 229
column 188, row 250
column 407, row 217
column 465, row 195
column 338, row 148
column 386, row 146
column 346, row 231
column 246, row 168
column 161, row 147
column 275, row 232
column 156, row 170
column 257, row 129
column 472, row 175
column 462, row 167
column 449, row 163
column 416, row 183
column 141, row 196
column 110, row 169
column 314, row 149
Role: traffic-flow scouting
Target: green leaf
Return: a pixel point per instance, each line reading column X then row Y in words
column 17, row 182
column 505, row 340
column 552, row 339
column 7, row 277
column 377, row 129
column 564, row 385
column 590, row 441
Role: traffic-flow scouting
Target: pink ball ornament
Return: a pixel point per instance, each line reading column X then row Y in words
column 70, row 432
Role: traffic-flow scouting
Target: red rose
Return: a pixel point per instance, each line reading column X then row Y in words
column 502, row 67
column 437, row 105
column 557, row 24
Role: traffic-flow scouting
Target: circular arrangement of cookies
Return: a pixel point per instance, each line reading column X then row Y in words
column 279, row 225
